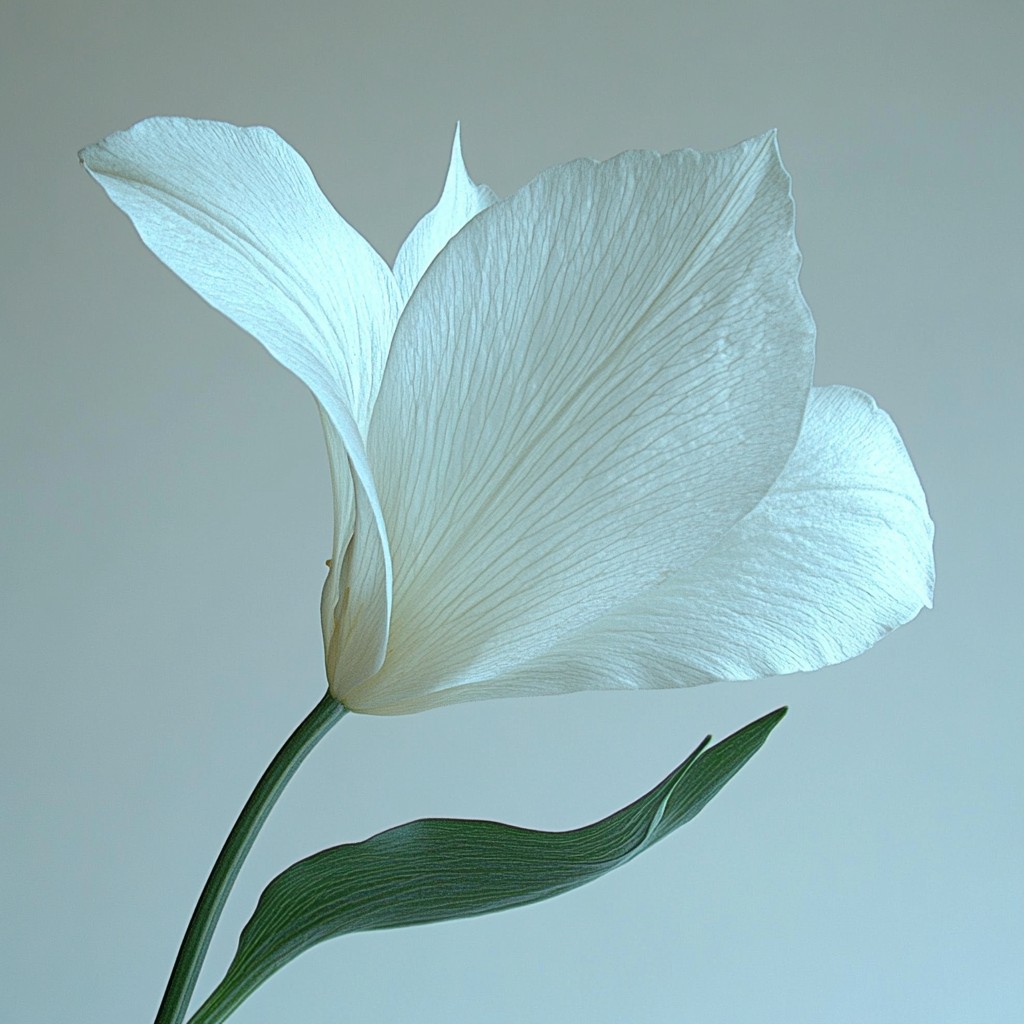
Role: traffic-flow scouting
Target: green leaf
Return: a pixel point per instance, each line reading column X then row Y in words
column 438, row 869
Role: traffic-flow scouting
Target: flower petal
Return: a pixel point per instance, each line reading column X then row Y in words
column 461, row 200
column 591, row 384
column 838, row 554
column 237, row 214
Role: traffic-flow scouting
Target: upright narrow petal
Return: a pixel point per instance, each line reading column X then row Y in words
column 838, row 554
column 594, row 381
column 460, row 201
column 237, row 214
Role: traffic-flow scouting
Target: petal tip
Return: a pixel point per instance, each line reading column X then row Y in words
column 457, row 165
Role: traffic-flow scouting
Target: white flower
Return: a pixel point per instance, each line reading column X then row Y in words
column 573, row 437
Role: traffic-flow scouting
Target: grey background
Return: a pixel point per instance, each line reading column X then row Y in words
column 166, row 515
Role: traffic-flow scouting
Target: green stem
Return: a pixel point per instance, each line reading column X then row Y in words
column 214, row 895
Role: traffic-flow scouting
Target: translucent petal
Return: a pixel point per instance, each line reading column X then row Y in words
column 594, row 381
column 838, row 554
column 237, row 214
column 460, row 201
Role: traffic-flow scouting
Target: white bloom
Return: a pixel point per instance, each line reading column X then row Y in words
column 572, row 435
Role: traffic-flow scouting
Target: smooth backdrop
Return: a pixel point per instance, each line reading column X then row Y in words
column 166, row 514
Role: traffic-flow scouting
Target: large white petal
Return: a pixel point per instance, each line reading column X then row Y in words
column 237, row 214
column 461, row 200
column 838, row 554
column 594, row 381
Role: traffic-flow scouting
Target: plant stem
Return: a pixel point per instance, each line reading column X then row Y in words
column 196, row 942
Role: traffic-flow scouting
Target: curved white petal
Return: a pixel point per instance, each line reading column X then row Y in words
column 237, row 214
column 838, row 554
column 594, row 381
column 461, row 200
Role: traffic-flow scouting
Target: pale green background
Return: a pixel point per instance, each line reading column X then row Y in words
column 166, row 515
